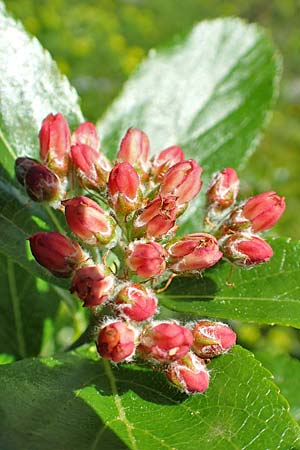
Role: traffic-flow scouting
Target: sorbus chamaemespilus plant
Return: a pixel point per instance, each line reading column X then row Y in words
column 130, row 208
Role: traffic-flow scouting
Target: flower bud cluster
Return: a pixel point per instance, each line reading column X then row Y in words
column 237, row 226
column 120, row 242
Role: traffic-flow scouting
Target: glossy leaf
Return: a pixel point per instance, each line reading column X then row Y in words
column 286, row 371
column 210, row 93
column 70, row 402
column 268, row 293
column 25, row 303
column 30, row 88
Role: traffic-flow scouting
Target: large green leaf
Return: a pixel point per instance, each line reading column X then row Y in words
column 286, row 371
column 210, row 93
column 25, row 303
column 265, row 294
column 69, row 402
column 30, row 88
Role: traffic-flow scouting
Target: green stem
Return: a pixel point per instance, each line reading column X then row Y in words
column 54, row 219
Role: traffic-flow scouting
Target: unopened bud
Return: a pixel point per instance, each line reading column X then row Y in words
column 146, row 259
column 124, row 188
column 116, row 341
column 86, row 134
column 42, row 185
column 136, row 302
column 92, row 167
column 263, row 210
column 55, row 142
column 157, row 218
column 183, row 181
column 22, row 165
column 91, row 285
column 57, row 253
column 193, row 252
column 212, row 338
column 88, row 221
column 164, row 342
column 223, row 189
column 166, row 159
column 246, row 249
column 189, row 374
column 135, row 149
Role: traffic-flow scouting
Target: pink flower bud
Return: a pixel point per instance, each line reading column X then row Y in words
column 22, row 165
column 88, row 221
column 116, row 341
column 93, row 168
column 55, row 142
column 189, row 374
column 136, row 302
column 146, row 259
column 135, row 148
column 157, row 218
column 264, row 210
column 86, row 134
column 91, row 285
column 166, row 159
column 183, row 181
column 42, row 185
column 124, row 188
column 57, row 253
column 223, row 188
column 212, row 338
column 246, row 249
column 193, row 252
column 164, row 342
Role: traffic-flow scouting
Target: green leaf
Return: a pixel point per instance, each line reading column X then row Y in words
column 6, row 358
column 31, row 87
column 210, row 93
column 70, row 402
column 25, row 303
column 286, row 371
column 265, row 294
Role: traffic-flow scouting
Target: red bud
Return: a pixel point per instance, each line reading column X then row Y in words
column 183, row 181
column 42, row 185
column 264, row 210
column 116, row 341
column 57, row 253
column 123, row 187
column 223, row 188
column 146, row 259
column 86, row 134
column 157, row 218
column 164, row 342
column 91, row 285
column 212, row 338
column 136, row 302
column 246, row 249
column 189, row 374
column 166, row 159
column 55, row 142
column 88, row 221
column 135, row 148
column 93, row 168
column 193, row 252
column 22, row 165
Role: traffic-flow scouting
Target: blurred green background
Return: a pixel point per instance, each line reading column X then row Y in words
column 98, row 43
